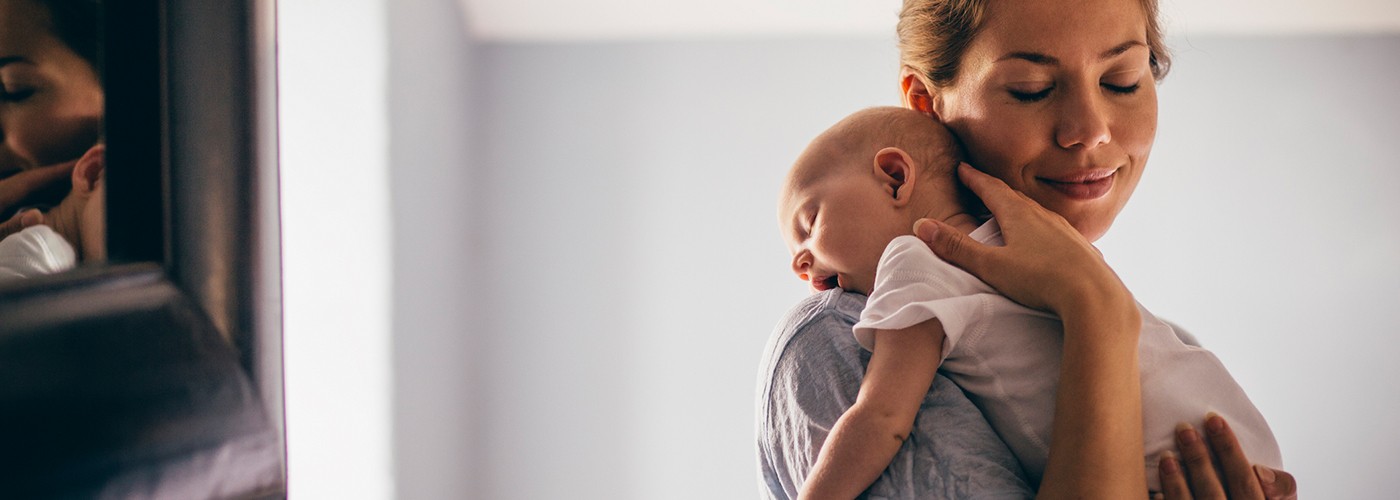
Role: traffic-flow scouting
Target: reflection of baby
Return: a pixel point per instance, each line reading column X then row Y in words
column 74, row 229
column 847, row 210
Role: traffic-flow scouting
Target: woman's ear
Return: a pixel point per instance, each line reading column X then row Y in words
column 915, row 92
column 88, row 170
column 895, row 170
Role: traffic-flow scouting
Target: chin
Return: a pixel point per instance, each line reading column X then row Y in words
column 1092, row 228
column 1092, row 220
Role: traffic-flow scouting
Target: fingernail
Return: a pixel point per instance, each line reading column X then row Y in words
column 925, row 229
column 1214, row 424
column 1266, row 475
column 1169, row 465
column 1185, row 434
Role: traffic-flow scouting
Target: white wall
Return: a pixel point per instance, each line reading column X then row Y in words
column 431, row 187
column 631, row 267
column 335, row 246
column 632, row 260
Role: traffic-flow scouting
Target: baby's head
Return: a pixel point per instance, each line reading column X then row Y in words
column 859, row 185
column 81, row 217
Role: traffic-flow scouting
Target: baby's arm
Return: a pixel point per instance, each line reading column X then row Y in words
column 868, row 435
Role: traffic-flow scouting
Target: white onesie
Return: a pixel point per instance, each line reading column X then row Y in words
column 1007, row 358
column 35, row 251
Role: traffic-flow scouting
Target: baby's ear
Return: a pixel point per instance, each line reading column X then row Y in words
column 895, row 170
column 89, row 169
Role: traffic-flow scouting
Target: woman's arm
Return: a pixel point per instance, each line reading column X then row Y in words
column 15, row 188
column 868, row 435
column 1096, row 440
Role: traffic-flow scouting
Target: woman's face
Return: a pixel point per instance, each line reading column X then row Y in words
column 50, row 99
column 1056, row 97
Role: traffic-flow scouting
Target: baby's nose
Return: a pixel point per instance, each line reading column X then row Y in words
column 801, row 266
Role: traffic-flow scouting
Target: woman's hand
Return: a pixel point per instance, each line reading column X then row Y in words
column 1199, row 479
column 1096, row 438
column 1046, row 264
column 16, row 188
column 20, row 221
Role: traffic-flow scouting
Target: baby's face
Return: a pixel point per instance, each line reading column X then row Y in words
column 837, row 227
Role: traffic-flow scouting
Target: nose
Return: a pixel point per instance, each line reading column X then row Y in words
column 802, row 265
column 1084, row 120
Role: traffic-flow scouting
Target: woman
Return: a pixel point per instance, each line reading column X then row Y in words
column 51, row 100
column 1057, row 100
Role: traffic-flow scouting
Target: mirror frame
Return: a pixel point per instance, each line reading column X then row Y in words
column 192, row 87
column 190, row 307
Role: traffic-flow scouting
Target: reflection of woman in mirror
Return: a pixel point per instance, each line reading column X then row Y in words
column 1039, row 92
column 51, row 99
column 51, row 105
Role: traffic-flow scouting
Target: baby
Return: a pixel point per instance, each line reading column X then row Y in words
column 847, row 210
column 74, row 229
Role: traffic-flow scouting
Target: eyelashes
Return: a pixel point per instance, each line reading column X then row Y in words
column 1042, row 94
column 15, row 96
column 1031, row 96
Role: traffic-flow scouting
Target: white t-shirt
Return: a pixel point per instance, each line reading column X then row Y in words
column 1007, row 358
column 35, row 251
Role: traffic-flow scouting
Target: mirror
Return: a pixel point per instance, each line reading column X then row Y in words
column 142, row 135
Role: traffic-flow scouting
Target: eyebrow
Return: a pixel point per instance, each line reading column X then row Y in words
column 1043, row 59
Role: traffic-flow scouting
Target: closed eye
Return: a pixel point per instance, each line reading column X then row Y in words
column 17, row 95
column 1031, row 96
column 1121, row 89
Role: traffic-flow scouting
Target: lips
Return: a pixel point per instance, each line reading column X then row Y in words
column 1090, row 185
column 822, row 283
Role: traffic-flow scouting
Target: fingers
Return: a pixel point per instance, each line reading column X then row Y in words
column 1173, row 480
column 1239, row 475
column 1196, row 457
column 952, row 245
column 1277, row 484
column 15, row 188
column 1003, row 201
column 15, row 224
column 31, row 217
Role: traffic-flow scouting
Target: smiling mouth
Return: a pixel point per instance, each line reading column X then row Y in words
column 1089, row 186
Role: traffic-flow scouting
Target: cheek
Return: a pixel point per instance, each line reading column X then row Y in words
column 46, row 134
column 1140, row 129
column 998, row 140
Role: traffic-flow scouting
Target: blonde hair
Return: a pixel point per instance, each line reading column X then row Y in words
column 933, row 34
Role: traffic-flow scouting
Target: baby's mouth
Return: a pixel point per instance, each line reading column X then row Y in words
column 824, row 283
